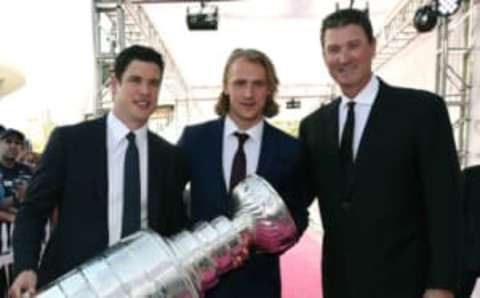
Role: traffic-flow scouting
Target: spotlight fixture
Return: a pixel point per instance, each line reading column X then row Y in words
column 293, row 104
column 203, row 17
column 446, row 8
column 425, row 19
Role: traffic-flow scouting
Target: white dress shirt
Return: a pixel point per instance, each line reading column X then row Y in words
column 363, row 105
column 251, row 147
column 116, row 148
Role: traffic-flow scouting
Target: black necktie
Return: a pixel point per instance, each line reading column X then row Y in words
column 239, row 165
column 346, row 144
column 131, row 189
column 346, row 150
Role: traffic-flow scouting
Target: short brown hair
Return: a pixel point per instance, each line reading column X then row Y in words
column 255, row 56
column 345, row 17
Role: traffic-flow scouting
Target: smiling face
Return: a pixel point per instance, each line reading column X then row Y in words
column 247, row 88
column 348, row 55
column 136, row 93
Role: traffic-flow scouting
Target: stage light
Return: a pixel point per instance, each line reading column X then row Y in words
column 446, row 8
column 203, row 17
column 294, row 104
column 425, row 19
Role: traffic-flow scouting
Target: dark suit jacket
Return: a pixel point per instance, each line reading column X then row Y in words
column 278, row 164
column 472, row 217
column 396, row 237
column 73, row 175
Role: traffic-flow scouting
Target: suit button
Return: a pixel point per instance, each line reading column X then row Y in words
column 345, row 205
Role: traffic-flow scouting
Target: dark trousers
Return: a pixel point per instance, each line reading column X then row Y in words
column 5, row 280
column 467, row 284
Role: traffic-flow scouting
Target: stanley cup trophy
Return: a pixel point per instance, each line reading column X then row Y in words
column 190, row 262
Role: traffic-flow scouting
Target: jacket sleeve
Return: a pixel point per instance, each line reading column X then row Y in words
column 44, row 192
column 441, row 182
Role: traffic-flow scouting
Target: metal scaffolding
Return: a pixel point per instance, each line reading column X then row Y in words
column 120, row 23
column 453, row 78
column 454, row 72
column 397, row 32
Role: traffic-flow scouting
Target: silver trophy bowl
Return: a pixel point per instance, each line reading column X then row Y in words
column 190, row 262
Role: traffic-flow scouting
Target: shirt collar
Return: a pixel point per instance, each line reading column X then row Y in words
column 118, row 130
column 255, row 132
column 366, row 96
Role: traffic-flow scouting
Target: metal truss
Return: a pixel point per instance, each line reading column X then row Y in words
column 454, row 46
column 454, row 72
column 118, row 24
column 396, row 33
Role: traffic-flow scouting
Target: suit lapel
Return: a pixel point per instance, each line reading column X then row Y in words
column 332, row 133
column 267, row 151
column 99, row 141
column 375, row 122
column 216, row 138
column 155, row 181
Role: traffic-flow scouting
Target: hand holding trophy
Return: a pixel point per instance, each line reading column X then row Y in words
column 190, row 262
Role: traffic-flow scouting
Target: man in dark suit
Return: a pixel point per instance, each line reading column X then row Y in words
column 214, row 149
column 471, row 209
column 109, row 177
column 382, row 162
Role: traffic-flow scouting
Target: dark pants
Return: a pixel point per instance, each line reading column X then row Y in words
column 467, row 284
column 5, row 280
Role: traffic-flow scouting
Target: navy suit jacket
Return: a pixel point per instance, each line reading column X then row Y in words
column 73, row 176
column 278, row 164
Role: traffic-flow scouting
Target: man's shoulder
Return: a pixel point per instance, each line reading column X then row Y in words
column 472, row 172
column 325, row 109
column 409, row 94
column 279, row 134
column 88, row 126
column 158, row 141
column 202, row 130
column 205, row 126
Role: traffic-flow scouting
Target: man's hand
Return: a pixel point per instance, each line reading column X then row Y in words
column 26, row 282
column 21, row 190
column 7, row 216
column 438, row 293
column 274, row 238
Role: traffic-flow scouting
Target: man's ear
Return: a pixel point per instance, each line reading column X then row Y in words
column 374, row 45
column 114, row 84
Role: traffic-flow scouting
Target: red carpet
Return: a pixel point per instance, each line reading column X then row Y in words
column 300, row 268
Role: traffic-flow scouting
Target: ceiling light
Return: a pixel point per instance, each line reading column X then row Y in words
column 446, row 8
column 203, row 17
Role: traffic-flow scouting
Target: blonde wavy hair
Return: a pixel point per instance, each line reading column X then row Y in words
column 255, row 56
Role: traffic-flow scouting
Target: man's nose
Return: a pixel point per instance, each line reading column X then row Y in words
column 248, row 92
column 344, row 56
column 144, row 88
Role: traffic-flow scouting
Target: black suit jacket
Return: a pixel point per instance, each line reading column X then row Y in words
column 73, row 176
column 396, row 237
column 472, row 217
column 278, row 164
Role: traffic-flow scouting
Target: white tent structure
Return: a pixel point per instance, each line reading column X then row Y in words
column 64, row 50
